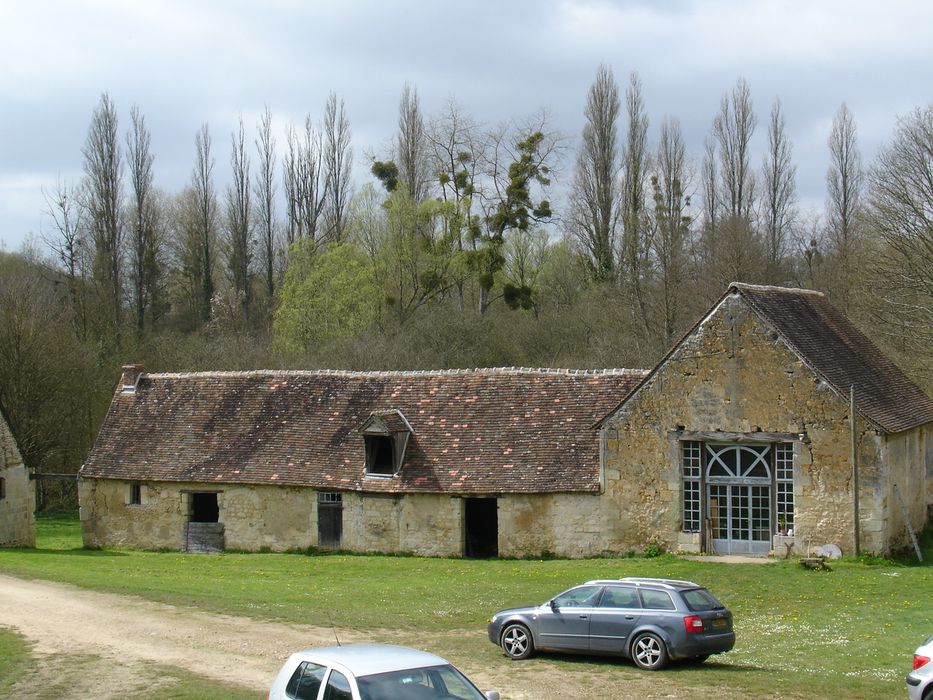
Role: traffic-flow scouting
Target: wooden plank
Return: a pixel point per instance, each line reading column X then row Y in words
column 814, row 563
column 721, row 436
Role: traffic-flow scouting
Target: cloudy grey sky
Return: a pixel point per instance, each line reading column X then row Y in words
column 186, row 62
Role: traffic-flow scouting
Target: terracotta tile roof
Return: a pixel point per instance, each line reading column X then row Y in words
column 842, row 355
column 474, row 431
column 394, row 421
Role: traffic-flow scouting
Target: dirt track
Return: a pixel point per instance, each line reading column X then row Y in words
column 62, row 619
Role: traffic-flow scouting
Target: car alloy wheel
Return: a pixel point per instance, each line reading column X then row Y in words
column 648, row 652
column 516, row 642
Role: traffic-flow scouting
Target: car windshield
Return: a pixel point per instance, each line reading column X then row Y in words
column 701, row 600
column 431, row 683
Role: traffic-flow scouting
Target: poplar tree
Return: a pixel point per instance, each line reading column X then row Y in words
column 103, row 169
column 595, row 195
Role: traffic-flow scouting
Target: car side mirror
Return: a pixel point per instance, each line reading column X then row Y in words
column 492, row 695
column 554, row 606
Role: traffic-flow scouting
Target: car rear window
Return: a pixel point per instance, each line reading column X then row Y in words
column 700, row 600
column 656, row 600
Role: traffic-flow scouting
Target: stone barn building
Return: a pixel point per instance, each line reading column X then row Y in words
column 462, row 462
column 17, row 494
column 739, row 440
column 742, row 432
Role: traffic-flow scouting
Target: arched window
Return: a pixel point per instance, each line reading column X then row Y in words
column 738, row 463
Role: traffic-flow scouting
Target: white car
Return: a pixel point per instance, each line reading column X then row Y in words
column 372, row 672
column 920, row 680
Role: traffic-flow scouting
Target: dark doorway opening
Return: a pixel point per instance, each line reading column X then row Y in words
column 481, row 528
column 329, row 520
column 204, row 508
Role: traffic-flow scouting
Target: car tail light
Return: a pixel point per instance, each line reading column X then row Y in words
column 920, row 661
column 693, row 623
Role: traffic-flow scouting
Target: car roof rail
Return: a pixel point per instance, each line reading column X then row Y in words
column 670, row 582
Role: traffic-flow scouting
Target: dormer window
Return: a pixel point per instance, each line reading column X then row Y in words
column 385, row 438
column 379, row 455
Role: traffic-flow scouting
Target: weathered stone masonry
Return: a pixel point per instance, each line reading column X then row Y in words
column 735, row 374
column 18, row 505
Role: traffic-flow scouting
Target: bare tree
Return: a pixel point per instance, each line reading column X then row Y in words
column 205, row 218
column 732, row 252
column 65, row 210
column 636, row 243
column 290, row 182
column 338, row 162
column 710, row 184
column 900, row 212
column 779, row 179
column 103, row 168
column 239, row 225
column 672, row 223
column 595, row 195
column 184, row 248
column 844, row 181
column 733, row 128
column 516, row 168
column 730, row 247
column 264, row 190
column 411, row 147
column 458, row 148
column 305, row 184
column 144, row 262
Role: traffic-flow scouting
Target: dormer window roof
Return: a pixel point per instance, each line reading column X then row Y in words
column 385, row 437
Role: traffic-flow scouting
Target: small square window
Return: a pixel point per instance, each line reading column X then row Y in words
column 136, row 494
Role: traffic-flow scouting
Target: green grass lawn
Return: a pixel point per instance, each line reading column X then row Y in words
column 846, row 632
column 15, row 660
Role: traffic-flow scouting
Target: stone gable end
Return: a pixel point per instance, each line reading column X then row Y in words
column 735, row 375
column 18, row 504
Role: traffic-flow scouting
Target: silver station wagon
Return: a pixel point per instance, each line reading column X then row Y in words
column 648, row 620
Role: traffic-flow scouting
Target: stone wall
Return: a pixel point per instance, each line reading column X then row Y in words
column 254, row 517
column 18, row 505
column 424, row 524
column 565, row 525
column 909, row 476
column 735, row 374
column 280, row 519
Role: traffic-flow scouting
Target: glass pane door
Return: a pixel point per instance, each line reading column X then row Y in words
column 740, row 517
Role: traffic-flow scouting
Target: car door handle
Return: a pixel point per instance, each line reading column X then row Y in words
column 629, row 617
column 583, row 617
